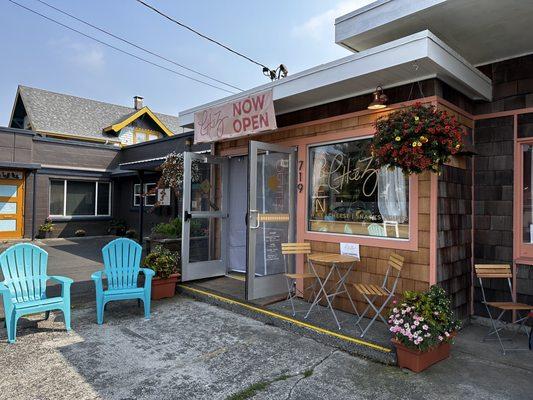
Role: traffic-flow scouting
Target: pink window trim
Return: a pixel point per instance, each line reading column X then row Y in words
column 304, row 233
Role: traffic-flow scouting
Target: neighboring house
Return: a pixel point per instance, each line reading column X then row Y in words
column 82, row 162
column 69, row 117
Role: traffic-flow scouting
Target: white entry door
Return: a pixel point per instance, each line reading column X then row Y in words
column 204, row 218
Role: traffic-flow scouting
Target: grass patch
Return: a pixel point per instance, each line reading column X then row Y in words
column 281, row 378
column 308, row 373
column 249, row 392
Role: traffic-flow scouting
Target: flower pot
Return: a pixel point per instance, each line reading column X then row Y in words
column 416, row 360
column 44, row 234
column 162, row 288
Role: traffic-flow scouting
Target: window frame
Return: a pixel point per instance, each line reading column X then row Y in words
column 137, row 196
column 523, row 250
column 64, row 215
column 146, row 133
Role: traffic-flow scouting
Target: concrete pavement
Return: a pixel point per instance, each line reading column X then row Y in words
column 193, row 350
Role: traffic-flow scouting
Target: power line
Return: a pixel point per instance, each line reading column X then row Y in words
column 137, row 46
column 121, row 50
column 201, row 34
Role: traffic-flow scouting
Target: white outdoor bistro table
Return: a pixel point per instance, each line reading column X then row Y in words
column 334, row 261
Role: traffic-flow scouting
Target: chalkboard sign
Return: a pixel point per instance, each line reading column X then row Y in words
column 269, row 260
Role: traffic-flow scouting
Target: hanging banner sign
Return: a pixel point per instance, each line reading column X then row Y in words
column 246, row 116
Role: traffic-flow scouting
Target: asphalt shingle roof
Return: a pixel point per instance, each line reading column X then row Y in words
column 62, row 113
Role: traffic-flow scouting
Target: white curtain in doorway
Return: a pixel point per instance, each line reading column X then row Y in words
column 392, row 195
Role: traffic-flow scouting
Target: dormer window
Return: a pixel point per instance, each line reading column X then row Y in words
column 144, row 135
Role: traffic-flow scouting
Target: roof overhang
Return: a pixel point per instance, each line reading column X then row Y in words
column 416, row 57
column 483, row 31
column 126, row 121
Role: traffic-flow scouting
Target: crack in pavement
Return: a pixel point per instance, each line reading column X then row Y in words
column 316, row 365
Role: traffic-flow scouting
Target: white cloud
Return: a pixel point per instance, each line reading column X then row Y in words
column 86, row 56
column 322, row 25
column 91, row 58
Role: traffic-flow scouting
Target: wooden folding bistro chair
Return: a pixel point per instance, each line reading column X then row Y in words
column 502, row 271
column 372, row 292
column 289, row 249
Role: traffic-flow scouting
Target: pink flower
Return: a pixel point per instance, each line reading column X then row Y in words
column 440, row 338
column 425, row 327
column 447, row 334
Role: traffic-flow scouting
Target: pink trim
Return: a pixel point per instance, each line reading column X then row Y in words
column 503, row 113
column 433, row 209
column 453, row 107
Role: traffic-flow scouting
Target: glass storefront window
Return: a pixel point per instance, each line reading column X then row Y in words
column 350, row 195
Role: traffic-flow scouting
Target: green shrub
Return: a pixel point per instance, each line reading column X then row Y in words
column 47, row 226
column 131, row 233
column 171, row 229
column 163, row 261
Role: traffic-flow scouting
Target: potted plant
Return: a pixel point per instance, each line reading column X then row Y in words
column 118, row 226
column 417, row 139
column 423, row 326
column 165, row 264
column 80, row 233
column 131, row 233
column 46, row 228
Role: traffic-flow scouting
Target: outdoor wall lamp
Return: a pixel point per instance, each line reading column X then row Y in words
column 379, row 99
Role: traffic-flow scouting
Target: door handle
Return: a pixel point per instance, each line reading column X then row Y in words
column 256, row 219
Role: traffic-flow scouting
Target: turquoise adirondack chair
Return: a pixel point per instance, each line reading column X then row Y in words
column 24, row 286
column 122, row 259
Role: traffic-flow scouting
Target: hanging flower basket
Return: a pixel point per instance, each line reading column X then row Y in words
column 172, row 176
column 417, row 139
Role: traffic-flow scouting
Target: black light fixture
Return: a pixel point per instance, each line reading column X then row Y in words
column 379, row 99
column 275, row 74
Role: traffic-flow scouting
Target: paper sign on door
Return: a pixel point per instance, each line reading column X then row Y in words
column 350, row 249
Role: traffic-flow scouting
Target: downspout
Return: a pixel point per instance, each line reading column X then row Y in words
column 33, row 201
column 141, row 206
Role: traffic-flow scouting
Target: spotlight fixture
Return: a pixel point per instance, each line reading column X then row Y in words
column 379, row 99
column 275, row 74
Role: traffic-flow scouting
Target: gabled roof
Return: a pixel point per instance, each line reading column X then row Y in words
column 59, row 113
column 132, row 117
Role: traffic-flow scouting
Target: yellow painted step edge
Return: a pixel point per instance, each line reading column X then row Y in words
column 289, row 319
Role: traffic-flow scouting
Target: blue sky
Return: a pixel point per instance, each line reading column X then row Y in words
column 42, row 54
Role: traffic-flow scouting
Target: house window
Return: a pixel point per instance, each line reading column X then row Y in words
column 150, row 196
column 349, row 195
column 144, row 135
column 69, row 198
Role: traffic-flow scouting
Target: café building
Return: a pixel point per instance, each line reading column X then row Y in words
column 291, row 162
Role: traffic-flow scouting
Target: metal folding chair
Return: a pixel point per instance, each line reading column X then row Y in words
column 372, row 292
column 502, row 271
column 288, row 250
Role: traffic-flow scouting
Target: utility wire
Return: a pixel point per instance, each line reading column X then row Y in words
column 201, row 34
column 137, row 46
column 121, row 50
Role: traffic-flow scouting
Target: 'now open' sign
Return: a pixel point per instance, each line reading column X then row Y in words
column 241, row 117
